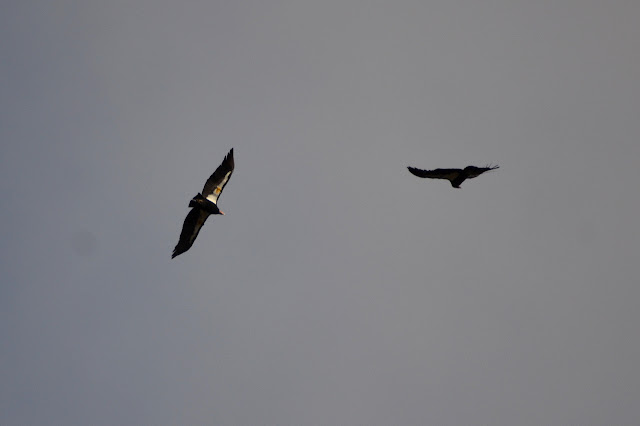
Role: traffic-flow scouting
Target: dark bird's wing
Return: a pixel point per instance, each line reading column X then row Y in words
column 449, row 174
column 473, row 171
column 192, row 224
column 217, row 181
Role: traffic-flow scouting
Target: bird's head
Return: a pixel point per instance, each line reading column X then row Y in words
column 215, row 209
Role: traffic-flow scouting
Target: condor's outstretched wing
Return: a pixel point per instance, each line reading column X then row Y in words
column 190, row 229
column 449, row 174
column 217, row 181
column 473, row 171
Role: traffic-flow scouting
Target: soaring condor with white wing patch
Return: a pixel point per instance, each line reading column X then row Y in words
column 455, row 176
column 204, row 204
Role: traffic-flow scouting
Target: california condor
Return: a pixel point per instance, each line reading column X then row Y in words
column 204, row 204
column 455, row 176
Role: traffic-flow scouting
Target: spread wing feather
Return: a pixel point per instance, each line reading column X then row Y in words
column 449, row 174
column 473, row 171
column 217, row 181
column 190, row 229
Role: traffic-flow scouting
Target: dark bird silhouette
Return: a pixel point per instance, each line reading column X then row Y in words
column 204, row 204
column 455, row 176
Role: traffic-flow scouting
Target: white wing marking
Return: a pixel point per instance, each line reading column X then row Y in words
column 213, row 197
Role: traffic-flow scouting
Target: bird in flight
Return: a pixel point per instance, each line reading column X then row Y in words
column 455, row 176
column 204, row 204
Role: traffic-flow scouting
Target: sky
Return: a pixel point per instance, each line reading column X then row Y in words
column 338, row 288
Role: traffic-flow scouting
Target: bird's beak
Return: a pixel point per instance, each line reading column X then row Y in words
column 221, row 212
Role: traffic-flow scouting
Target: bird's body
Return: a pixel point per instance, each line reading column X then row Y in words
column 204, row 204
column 455, row 176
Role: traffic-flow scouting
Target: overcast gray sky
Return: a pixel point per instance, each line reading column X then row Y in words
column 338, row 289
